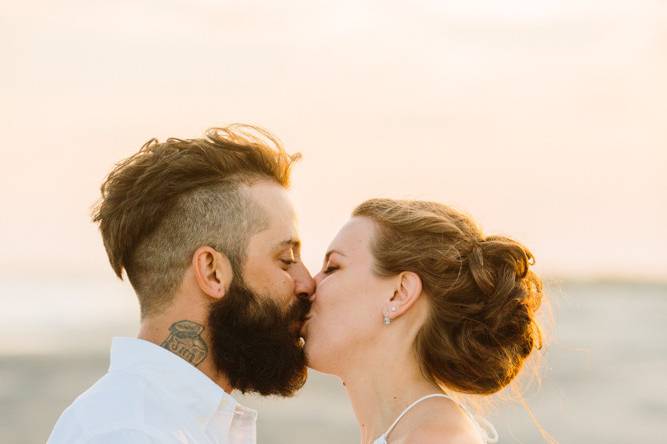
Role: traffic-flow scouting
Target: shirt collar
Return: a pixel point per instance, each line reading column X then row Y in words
column 198, row 392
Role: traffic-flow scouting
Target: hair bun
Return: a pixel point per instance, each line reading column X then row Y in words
column 500, row 267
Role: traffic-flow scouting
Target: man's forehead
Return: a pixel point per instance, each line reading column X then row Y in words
column 274, row 201
column 280, row 230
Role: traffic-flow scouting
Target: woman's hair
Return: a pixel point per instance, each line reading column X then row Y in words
column 170, row 198
column 482, row 293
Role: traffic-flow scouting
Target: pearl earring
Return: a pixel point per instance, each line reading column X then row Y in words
column 386, row 318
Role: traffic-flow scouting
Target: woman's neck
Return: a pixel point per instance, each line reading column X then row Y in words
column 380, row 386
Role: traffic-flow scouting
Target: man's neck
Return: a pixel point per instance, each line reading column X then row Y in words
column 188, row 339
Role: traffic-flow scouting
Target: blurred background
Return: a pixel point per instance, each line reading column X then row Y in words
column 546, row 120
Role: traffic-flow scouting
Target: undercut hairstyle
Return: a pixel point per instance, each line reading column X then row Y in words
column 483, row 296
column 170, row 198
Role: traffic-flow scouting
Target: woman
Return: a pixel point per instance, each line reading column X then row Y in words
column 413, row 302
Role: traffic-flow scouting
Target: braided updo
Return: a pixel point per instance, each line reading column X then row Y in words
column 482, row 293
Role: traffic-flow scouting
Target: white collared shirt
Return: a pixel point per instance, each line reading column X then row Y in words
column 150, row 395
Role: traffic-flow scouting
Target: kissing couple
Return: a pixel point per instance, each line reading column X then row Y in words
column 413, row 308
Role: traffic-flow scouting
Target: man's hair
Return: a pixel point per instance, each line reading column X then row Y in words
column 162, row 203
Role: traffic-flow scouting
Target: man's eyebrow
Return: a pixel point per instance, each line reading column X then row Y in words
column 291, row 242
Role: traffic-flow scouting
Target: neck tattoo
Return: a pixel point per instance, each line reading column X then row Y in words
column 185, row 341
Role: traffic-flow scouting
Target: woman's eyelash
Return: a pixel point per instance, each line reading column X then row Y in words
column 287, row 262
column 330, row 269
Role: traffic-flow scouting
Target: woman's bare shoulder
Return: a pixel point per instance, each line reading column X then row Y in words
column 438, row 421
column 440, row 433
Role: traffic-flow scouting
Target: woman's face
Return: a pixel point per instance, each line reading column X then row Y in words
column 346, row 313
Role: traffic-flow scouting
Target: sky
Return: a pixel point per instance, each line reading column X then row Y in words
column 544, row 120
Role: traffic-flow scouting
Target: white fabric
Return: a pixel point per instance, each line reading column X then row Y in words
column 483, row 433
column 149, row 396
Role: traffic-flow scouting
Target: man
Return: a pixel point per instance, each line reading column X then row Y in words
column 206, row 235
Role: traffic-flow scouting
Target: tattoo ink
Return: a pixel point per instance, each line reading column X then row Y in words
column 185, row 340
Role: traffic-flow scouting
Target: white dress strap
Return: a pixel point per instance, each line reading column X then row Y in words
column 407, row 409
column 493, row 438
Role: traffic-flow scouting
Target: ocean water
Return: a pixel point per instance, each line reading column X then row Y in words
column 603, row 370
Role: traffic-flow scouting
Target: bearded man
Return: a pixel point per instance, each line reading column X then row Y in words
column 207, row 237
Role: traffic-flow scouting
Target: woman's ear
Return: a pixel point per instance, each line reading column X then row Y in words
column 408, row 290
column 212, row 271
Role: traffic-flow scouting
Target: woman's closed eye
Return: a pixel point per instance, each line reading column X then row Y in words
column 330, row 269
column 288, row 262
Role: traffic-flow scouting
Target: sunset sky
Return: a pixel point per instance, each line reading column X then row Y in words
column 545, row 120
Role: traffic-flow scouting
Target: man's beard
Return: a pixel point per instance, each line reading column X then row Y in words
column 256, row 344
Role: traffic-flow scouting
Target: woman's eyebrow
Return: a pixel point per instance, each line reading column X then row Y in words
column 330, row 252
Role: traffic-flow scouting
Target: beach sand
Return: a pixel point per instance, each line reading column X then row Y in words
column 603, row 381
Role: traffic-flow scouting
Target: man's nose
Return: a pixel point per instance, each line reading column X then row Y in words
column 304, row 285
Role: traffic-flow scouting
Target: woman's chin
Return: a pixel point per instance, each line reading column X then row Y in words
column 317, row 361
column 312, row 360
column 306, row 349
column 315, row 351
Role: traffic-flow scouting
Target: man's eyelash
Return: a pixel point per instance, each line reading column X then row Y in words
column 330, row 269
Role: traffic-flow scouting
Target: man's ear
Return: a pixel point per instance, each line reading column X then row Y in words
column 212, row 271
column 407, row 291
